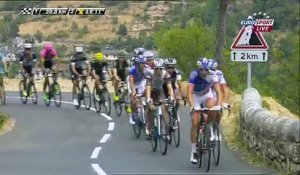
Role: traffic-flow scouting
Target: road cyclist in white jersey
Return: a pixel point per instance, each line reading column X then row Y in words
column 149, row 59
column 137, row 83
column 156, row 77
column 200, row 95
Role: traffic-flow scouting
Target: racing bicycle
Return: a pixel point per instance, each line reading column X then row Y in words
column 52, row 89
column 83, row 93
column 30, row 89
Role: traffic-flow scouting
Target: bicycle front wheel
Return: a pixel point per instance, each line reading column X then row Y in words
column 3, row 95
column 163, row 137
column 49, row 95
column 21, row 89
column 57, row 94
column 86, row 93
column 33, row 93
column 106, row 101
column 216, row 145
column 176, row 130
column 153, row 137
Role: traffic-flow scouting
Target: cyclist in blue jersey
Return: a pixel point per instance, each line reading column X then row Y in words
column 200, row 95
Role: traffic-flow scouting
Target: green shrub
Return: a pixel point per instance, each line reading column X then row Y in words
column 13, row 70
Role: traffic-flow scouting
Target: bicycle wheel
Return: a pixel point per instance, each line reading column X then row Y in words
column 33, row 93
column 153, row 137
column 21, row 89
column 118, row 105
column 86, row 93
column 48, row 92
column 207, row 150
column 96, row 102
column 57, row 94
column 171, row 124
column 2, row 95
column 176, row 130
column 106, row 101
column 216, row 146
column 137, row 127
column 163, row 137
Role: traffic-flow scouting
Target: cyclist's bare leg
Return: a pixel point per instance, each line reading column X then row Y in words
column 75, row 85
column 45, row 83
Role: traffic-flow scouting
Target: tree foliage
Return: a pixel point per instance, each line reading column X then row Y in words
column 122, row 30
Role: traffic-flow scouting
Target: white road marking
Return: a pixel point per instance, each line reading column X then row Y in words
column 104, row 138
column 98, row 169
column 106, row 116
column 111, row 126
column 96, row 152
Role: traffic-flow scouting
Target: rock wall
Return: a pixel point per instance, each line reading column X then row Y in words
column 275, row 138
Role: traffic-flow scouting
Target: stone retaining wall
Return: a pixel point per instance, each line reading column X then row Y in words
column 275, row 138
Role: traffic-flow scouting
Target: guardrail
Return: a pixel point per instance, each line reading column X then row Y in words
column 275, row 138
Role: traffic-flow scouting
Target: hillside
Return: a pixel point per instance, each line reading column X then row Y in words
column 137, row 16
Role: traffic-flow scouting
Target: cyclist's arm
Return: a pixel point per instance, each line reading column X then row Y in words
column 148, row 89
column 178, row 81
column 169, row 85
column 191, row 86
column 73, row 68
column 89, row 66
column 131, row 83
column 217, row 87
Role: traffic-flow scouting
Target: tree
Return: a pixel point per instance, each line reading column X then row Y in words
column 221, row 28
column 122, row 30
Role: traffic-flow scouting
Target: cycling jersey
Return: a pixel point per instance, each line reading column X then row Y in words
column 220, row 76
column 48, row 55
column 174, row 77
column 100, row 69
column 121, row 69
column 139, row 79
column 28, row 61
column 157, row 82
column 80, row 64
column 202, row 85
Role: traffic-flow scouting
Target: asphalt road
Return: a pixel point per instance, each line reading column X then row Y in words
column 47, row 140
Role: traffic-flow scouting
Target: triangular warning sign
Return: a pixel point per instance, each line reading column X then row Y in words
column 249, row 39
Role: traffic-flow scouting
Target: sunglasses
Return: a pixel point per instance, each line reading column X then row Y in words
column 170, row 67
column 27, row 49
column 206, row 70
column 158, row 68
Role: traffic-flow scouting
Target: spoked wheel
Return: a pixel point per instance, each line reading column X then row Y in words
column 97, row 104
column 87, row 100
column 204, row 149
column 153, row 137
column 170, row 131
column 33, row 93
column 216, row 146
column 118, row 106
column 2, row 95
column 176, row 131
column 57, row 94
column 21, row 89
column 106, row 101
column 138, row 124
column 48, row 93
column 163, row 138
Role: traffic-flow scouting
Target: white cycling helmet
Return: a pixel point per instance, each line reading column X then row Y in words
column 78, row 49
column 170, row 61
column 213, row 64
column 158, row 63
column 27, row 46
column 203, row 63
column 149, row 54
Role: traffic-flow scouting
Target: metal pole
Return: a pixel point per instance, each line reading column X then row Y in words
column 249, row 75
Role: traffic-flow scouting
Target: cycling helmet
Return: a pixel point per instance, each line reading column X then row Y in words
column 140, row 59
column 158, row 63
column 48, row 46
column 139, row 51
column 122, row 54
column 203, row 63
column 78, row 49
column 27, row 46
column 213, row 64
column 170, row 61
column 148, row 54
column 99, row 56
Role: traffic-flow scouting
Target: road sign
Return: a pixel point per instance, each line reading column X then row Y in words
column 249, row 39
column 249, row 56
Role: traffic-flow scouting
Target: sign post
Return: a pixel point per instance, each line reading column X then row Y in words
column 249, row 45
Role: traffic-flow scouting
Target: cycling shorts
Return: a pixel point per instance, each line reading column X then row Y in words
column 200, row 100
column 48, row 64
column 140, row 87
column 28, row 70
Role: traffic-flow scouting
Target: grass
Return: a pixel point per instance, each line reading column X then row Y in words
column 3, row 119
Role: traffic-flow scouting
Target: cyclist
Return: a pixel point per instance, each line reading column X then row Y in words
column 27, row 60
column 222, row 81
column 3, row 68
column 200, row 94
column 150, row 58
column 119, row 72
column 175, row 74
column 99, row 71
column 78, row 65
column 137, row 83
column 156, row 77
column 137, row 51
column 48, row 57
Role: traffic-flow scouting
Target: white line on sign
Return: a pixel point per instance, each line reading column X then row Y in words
column 98, row 169
column 104, row 138
column 111, row 126
column 96, row 152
